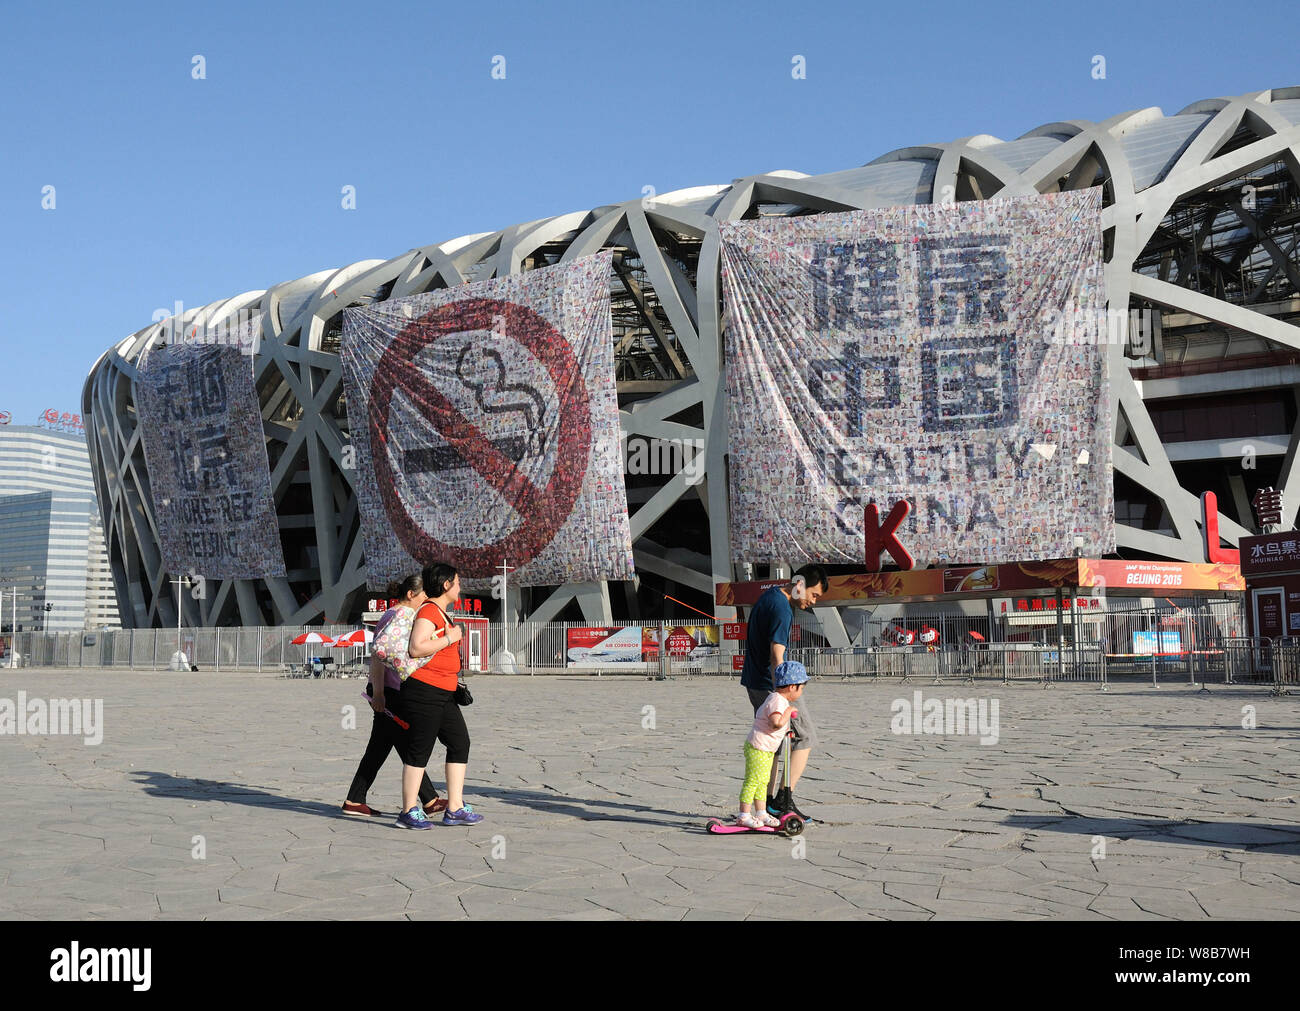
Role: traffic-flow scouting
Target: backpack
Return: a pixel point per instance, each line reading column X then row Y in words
column 394, row 639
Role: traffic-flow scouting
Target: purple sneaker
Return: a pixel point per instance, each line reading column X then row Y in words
column 465, row 816
column 413, row 818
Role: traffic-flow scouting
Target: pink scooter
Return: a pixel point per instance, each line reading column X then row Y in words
column 791, row 823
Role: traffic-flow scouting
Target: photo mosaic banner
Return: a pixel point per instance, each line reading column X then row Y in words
column 484, row 421
column 943, row 354
column 201, row 426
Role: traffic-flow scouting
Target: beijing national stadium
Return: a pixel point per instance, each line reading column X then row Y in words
column 1197, row 228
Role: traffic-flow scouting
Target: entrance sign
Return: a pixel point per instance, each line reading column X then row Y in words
column 485, row 426
column 947, row 355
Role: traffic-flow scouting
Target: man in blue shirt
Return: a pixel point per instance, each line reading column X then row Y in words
column 765, row 645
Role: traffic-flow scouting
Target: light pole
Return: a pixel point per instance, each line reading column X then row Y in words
column 507, row 658
column 10, row 573
column 13, row 630
column 45, row 623
column 178, row 582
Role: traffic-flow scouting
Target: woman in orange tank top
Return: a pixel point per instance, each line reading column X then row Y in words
column 428, row 702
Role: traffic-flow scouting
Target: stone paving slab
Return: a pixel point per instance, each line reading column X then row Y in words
column 216, row 797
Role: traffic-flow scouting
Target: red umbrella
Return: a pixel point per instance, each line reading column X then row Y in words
column 357, row 638
column 312, row 637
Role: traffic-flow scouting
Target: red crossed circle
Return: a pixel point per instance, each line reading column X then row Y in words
column 544, row 509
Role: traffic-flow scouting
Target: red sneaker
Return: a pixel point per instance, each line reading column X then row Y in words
column 361, row 810
column 436, row 805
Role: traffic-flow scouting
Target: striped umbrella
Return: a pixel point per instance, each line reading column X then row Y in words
column 311, row 637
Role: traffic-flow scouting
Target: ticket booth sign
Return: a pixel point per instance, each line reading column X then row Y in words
column 1270, row 564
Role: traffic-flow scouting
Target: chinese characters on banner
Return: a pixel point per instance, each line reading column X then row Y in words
column 946, row 355
column 484, row 421
column 206, row 451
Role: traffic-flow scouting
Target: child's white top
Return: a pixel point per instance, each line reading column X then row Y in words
column 762, row 736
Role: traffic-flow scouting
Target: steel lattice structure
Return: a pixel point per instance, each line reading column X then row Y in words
column 1200, row 224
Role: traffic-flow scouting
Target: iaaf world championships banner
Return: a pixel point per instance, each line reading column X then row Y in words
column 201, row 425
column 485, row 425
column 945, row 354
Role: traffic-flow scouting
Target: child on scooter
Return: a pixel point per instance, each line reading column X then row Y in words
column 764, row 739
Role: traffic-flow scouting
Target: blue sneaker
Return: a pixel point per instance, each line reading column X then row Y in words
column 413, row 818
column 465, row 816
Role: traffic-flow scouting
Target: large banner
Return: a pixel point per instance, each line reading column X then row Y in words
column 485, row 427
column 201, row 425
column 693, row 641
column 947, row 355
column 603, row 646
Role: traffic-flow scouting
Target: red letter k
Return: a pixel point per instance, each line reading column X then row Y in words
column 881, row 539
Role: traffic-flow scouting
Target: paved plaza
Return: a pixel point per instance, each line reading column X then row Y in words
column 216, row 795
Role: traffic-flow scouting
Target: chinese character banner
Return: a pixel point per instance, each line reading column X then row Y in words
column 943, row 354
column 205, row 448
column 485, row 425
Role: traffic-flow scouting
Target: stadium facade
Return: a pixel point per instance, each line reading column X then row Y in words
column 1202, row 244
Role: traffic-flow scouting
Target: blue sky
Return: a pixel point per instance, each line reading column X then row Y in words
column 169, row 188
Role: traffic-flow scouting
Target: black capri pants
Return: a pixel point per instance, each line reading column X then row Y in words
column 434, row 716
column 385, row 736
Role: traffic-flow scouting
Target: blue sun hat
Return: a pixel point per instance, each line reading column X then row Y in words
column 792, row 672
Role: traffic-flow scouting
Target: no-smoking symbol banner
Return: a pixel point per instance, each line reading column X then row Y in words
column 484, row 426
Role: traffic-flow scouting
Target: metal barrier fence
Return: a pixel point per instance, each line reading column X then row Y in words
column 1198, row 646
column 1004, row 662
column 236, row 648
column 1286, row 664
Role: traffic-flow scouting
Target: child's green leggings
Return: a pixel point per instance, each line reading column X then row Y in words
column 758, row 769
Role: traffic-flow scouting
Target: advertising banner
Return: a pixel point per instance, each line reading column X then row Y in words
column 485, row 425
column 949, row 355
column 693, row 641
column 1126, row 578
column 1144, row 642
column 1160, row 578
column 201, row 425
column 602, row 647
